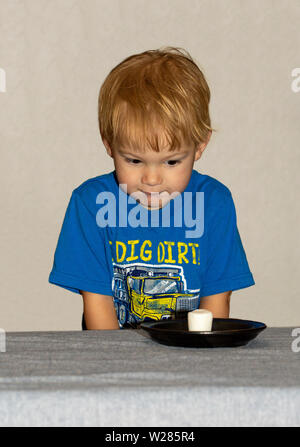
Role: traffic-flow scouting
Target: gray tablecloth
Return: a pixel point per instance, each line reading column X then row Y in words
column 123, row 378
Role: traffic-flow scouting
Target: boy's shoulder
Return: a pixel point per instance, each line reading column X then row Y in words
column 210, row 186
column 95, row 182
column 218, row 200
column 95, row 185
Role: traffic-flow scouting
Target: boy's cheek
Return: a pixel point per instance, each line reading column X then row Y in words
column 126, row 176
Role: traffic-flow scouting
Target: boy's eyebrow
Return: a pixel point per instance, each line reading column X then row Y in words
column 171, row 155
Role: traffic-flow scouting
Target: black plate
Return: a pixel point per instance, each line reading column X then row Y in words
column 226, row 332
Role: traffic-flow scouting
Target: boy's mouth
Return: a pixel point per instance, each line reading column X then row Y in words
column 152, row 192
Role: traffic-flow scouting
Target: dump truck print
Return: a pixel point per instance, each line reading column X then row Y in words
column 142, row 292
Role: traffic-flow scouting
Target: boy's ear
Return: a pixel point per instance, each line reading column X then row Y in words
column 200, row 148
column 108, row 148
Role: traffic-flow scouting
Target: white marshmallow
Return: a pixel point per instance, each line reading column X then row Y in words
column 200, row 320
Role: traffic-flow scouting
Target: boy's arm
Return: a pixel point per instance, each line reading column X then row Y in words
column 99, row 311
column 218, row 304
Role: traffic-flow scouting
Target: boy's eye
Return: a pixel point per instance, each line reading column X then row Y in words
column 134, row 161
column 174, row 161
column 130, row 160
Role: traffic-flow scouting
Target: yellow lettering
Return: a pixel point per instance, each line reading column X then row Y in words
column 120, row 259
column 147, row 252
column 182, row 245
column 193, row 245
column 169, row 260
column 160, row 248
column 133, row 244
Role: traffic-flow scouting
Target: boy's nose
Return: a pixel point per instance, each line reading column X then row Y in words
column 151, row 177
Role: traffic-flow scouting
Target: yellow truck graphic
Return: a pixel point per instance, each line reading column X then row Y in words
column 144, row 292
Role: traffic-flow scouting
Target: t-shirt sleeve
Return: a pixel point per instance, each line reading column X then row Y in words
column 80, row 259
column 226, row 265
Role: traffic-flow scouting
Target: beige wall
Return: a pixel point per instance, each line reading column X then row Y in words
column 56, row 55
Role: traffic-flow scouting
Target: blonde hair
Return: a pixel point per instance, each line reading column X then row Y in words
column 154, row 91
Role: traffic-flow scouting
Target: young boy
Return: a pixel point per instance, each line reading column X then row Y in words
column 126, row 243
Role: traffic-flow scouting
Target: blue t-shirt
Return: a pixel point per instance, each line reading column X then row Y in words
column 152, row 265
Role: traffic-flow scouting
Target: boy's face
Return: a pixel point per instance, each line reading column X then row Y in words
column 161, row 172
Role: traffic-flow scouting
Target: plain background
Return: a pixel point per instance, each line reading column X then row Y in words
column 56, row 56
